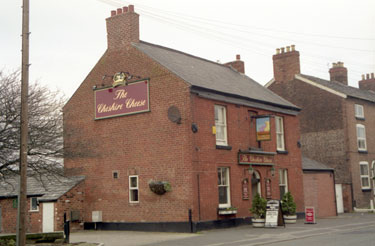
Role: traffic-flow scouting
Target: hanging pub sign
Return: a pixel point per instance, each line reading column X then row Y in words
column 263, row 128
column 122, row 99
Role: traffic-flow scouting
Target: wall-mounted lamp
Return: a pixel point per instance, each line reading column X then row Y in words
column 272, row 171
column 251, row 170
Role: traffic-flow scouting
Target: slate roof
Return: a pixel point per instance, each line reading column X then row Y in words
column 345, row 89
column 312, row 165
column 204, row 74
column 49, row 189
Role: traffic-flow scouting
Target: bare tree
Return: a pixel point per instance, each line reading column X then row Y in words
column 45, row 140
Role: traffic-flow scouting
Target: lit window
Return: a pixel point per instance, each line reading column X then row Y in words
column 365, row 177
column 283, row 181
column 224, row 189
column 133, row 189
column 279, row 133
column 361, row 137
column 221, row 125
column 34, row 204
column 359, row 112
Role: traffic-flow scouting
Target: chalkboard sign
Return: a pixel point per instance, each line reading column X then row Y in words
column 274, row 215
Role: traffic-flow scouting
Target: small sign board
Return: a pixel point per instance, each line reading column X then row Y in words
column 245, row 189
column 273, row 214
column 310, row 215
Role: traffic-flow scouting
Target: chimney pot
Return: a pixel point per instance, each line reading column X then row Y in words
column 363, row 77
column 277, row 51
column 338, row 73
column 238, row 57
column 282, row 50
column 288, row 49
column 125, row 9
column 131, row 8
column 367, row 76
column 113, row 13
column 119, row 11
column 293, row 47
column 372, row 75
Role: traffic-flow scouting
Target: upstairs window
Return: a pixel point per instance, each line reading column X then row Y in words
column 280, row 144
column 221, row 125
column 133, row 189
column 224, row 189
column 359, row 112
column 361, row 137
column 365, row 175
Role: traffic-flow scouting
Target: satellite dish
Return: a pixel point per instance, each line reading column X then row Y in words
column 174, row 114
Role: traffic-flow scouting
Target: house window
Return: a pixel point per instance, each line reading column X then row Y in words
column 221, row 125
column 279, row 133
column 133, row 189
column 365, row 175
column 361, row 137
column 224, row 188
column 283, row 181
column 34, row 204
column 115, row 174
column 359, row 112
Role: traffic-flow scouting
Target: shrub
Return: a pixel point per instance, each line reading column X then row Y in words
column 259, row 206
column 288, row 206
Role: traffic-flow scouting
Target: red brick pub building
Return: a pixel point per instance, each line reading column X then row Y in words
column 170, row 144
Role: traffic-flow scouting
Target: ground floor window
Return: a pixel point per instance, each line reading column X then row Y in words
column 283, row 182
column 34, row 204
column 364, row 173
column 133, row 189
column 224, row 187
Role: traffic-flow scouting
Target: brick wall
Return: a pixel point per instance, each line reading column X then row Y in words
column 323, row 128
column 73, row 200
column 146, row 144
column 9, row 217
column 319, row 189
column 241, row 135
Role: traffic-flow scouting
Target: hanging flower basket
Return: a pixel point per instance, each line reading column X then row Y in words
column 160, row 187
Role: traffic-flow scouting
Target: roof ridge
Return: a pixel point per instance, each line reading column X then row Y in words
column 187, row 54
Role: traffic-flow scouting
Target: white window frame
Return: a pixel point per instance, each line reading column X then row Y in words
column 361, row 138
column 31, row 204
column 131, row 200
column 279, row 123
column 364, row 176
column 221, row 123
column 359, row 111
column 283, row 173
column 224, row 184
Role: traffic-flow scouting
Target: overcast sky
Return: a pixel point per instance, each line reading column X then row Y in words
column 68, row 36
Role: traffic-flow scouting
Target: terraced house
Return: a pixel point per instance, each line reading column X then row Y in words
column 337, row 124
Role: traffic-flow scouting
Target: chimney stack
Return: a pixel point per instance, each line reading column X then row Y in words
column 122, row 27
column 339, row 73
column 367, row 82
column 286, row 64
column 237, row 64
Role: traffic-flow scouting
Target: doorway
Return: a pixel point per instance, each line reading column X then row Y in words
column 339, row 198
column 255, row 184
column 48, row 217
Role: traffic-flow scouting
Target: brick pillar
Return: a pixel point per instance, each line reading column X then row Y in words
column 367, row 82
column 339, row 73
column 286, row 64
column 122, row 27
column 237, row 64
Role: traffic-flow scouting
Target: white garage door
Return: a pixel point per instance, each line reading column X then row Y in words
column 48, row 216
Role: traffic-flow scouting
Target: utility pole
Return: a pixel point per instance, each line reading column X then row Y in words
column 22, row 196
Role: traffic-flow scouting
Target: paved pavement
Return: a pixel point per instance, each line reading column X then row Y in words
column 243, row 235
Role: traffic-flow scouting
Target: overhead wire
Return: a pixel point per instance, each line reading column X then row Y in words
column 196, row 25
